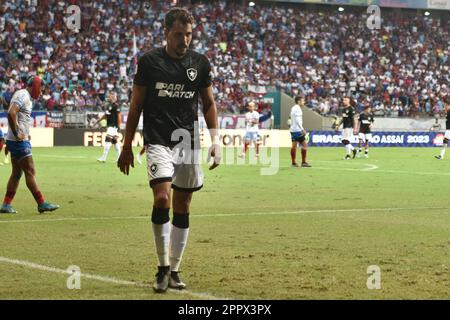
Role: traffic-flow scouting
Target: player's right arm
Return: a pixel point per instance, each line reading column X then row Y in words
column 12, row 121
column 137, row 101
column 100, row 119
column 298, row 120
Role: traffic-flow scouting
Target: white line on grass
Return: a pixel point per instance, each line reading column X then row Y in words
column 37, row 266
column 234, row 214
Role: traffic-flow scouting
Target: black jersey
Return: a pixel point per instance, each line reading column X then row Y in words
column 447, row 121
column 347, row 117
column 173, row 86
column 112, row 116
column 365, row 120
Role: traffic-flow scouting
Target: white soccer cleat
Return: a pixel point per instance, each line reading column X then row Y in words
column 101, row 160
column 366, row 156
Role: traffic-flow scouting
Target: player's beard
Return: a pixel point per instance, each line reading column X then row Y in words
column 181, row 51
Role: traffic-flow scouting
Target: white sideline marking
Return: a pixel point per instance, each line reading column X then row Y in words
column 33, row 265
column 234, row 214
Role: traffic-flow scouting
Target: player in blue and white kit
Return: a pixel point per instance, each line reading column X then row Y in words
column 18, row 143
column 252, row 131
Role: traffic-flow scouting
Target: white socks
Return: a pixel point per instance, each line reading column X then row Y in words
column 349, row 148
column 106, row 150
column 178, row 240
column 161, row 234
column 443, row 151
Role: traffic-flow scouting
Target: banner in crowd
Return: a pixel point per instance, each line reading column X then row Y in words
column 39, row 119
column 55, row 119
column 233, row 121
column 380, row 139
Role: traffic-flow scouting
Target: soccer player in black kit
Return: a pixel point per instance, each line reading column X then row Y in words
column 112, row 115
column 166, row 88
column 365, row 126
column 349, row 126
column 447, row 132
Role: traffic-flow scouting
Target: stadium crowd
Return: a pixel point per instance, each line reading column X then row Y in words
column 402, row 68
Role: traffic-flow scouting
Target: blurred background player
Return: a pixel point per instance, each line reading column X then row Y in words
column 447, row 131
column 252, row 131
column 17, row 140
column 349, row 125
column 2, row 144
column 112, row 116
column 298, row 133
column 365, row 125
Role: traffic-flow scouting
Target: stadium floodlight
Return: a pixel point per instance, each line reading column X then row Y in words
column 340, row 9
column 251, row 4
column 427, row 13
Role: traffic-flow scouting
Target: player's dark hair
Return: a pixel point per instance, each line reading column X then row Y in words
column 180, row 14
column 297, row 99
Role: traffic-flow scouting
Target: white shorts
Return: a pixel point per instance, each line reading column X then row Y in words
column 112, row 131
column 347, row 134
column 251, row 136
column 447, row 134
column 365, row 136
column 178, row 166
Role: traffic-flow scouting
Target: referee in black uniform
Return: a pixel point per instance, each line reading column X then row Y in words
column 166, row 88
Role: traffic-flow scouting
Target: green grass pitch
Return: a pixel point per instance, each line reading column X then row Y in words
column 308, row 233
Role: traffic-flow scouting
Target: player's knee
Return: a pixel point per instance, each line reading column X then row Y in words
column 162, row 199
column 30, row 172
column 18, row 175
column 345, row 142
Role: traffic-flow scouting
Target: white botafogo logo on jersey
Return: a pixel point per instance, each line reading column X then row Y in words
column 191, row 73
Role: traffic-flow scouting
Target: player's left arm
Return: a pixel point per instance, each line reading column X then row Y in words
column 210, row 114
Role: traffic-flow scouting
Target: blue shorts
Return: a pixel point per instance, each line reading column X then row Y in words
column 297, row 136
column 19, row 149
column 251, row 136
